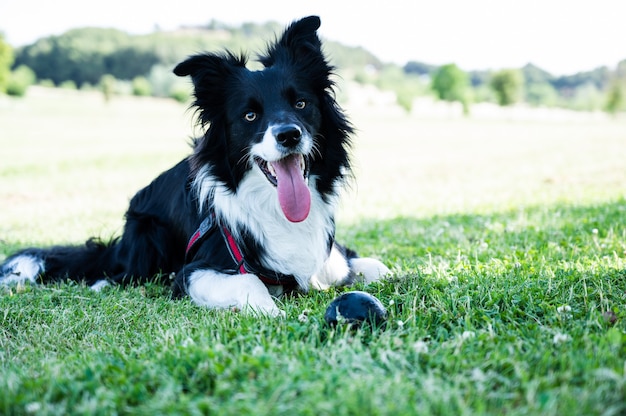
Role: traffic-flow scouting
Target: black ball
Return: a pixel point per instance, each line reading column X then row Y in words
column 355, row 308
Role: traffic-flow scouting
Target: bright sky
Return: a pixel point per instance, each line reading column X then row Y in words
column 560, row 36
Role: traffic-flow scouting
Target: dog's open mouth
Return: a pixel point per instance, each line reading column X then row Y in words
column 290, row 176
column 294, row 163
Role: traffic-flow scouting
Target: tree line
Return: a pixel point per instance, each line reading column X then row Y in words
column 601, row 88
column 142, row 64
column 115, row 61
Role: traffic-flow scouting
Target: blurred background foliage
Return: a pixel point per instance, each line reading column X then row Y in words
column 116, row 62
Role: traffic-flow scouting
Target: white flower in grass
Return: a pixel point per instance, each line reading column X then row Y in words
column 564, row 309
column 304, row 316
column 560, row 338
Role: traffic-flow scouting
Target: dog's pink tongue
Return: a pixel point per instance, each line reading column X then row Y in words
column 293, row 194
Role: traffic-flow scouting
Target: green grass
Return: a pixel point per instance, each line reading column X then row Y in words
column 508, row 242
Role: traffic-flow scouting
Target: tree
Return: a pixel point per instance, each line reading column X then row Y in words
column 507, row 85
column 19, row 81
column 141, row 87
column 600, row 77
column 541, row 94
column 586, row 97
column 6, row 61
column 85, row 55
column 616, row 90
column 419, row 68
column 405, row 86
column 615, row 97
column 620, row 71
column 107, row 86
column 450, row 83
column 535, row 75
column 538, row 90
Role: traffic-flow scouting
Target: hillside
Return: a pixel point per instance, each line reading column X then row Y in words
column 82, row 57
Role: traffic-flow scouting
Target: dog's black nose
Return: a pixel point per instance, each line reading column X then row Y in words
column 287, row 135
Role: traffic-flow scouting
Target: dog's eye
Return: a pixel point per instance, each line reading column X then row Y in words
column 300, row 104
column 250, row 116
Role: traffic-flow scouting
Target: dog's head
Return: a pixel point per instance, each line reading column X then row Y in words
column 281, row 120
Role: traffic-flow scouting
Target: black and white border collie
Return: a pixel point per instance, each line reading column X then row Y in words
column 250, row 213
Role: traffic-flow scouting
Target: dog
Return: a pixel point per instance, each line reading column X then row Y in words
column 249, row 215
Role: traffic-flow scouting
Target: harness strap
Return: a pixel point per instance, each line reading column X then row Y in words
column 208, row 225
column 202, row 230
column 234, row 250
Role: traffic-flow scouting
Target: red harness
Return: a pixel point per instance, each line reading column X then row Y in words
column 241, row 265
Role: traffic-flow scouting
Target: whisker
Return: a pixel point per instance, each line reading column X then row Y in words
column 246, row 159
column 316, row 146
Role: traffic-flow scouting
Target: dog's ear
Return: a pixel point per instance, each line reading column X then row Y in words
column 298, row 42
column 302, row 34
column 210, row 73
column 209, row 68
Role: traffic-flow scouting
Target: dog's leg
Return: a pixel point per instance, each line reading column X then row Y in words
column 335, row 272
column 368, row 270
column 246, row 292
column 344, row 268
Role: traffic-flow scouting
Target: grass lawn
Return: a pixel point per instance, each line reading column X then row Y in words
column 507, row 239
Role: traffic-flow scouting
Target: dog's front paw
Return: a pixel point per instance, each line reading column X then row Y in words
column 368, row 270
column 266, row 307
column 244, row 292
column 256, row 299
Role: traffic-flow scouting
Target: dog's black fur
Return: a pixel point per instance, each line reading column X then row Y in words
column 282, row 115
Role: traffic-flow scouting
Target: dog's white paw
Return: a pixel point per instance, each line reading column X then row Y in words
column 99, row 285
column 264, row 309
column 243, row 292
column 369, row 270
column 335, row 271
column 20, row 269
